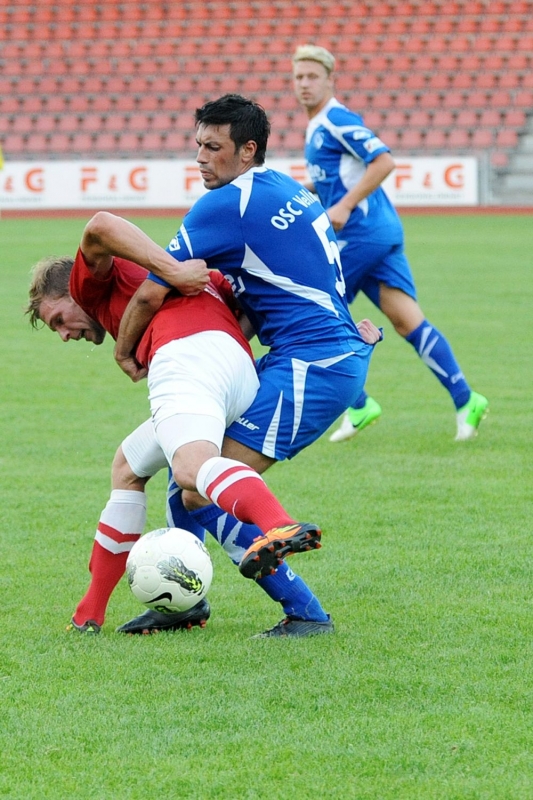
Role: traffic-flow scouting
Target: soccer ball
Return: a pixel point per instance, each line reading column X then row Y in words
column 169, row 570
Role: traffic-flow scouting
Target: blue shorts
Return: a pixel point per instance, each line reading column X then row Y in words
column 365, row 265
column 298, row 400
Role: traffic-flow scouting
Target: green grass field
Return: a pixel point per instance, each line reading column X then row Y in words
column 425, row 692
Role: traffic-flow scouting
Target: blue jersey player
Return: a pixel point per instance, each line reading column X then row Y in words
column 347, row 163
column 273, row 241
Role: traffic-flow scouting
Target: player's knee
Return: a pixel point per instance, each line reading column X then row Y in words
column 192, row 500
column 184, row 477
column 122, row 475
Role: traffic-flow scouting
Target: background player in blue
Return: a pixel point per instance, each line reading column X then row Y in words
column 273, row 241
column 347, row 163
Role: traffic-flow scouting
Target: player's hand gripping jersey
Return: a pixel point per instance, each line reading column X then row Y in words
column 338, row 147
column 273, row 242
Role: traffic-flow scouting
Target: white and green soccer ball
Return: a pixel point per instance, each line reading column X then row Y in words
column 169, row 570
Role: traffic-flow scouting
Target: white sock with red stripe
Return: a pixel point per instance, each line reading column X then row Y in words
column 240, row 491
column 121, row 524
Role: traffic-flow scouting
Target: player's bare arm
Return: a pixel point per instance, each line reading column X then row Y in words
column 107, row 235
column 374, row 175
column 139, row 312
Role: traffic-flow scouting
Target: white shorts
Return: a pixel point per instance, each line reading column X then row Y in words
column 198, row 386
column 142, row 451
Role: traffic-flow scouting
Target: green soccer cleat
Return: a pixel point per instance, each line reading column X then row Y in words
column 355, row 419
column 470, row 416
column 290, row 626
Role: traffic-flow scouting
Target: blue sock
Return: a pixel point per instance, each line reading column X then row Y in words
column 436, row 353
column 361, row 400
column 293, row 593
column 284, row 586
column 177, row 514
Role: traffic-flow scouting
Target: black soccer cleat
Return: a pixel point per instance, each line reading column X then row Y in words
column 264, row 556
column 291, row 626
column 154, row 621
column 89, row 627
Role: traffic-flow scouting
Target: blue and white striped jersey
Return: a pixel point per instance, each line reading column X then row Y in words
column 338, row 148
column 274, row 243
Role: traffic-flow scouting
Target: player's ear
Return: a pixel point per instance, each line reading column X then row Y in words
column 248, row 150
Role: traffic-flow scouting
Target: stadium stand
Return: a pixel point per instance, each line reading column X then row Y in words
column 117, row 80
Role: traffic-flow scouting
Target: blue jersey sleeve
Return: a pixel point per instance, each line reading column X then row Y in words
column 156, row 279
column 211, row 230
column 349, row 129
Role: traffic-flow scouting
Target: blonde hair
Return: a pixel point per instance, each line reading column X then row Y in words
column 50, row 278
column 312, row 52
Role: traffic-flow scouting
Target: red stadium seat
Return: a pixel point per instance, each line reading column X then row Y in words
column 13, row 144
column 459, row 138
column 460, row 44
column 373, row 119
column 36, row 143
column 177, row 143
column 514, row 118
column 82, row 143
column 499, row 159
column 275, row 141
column 482, row 138
column 294, row 140
column 477, row 99
column 442, row 118
column 6, row 123
column 414, row 81
column 507, row 138
column 92, row 123
column 500, row 98
column 441, row 81
column 466, row 80
column 435, row 139
column 381, row 100
column 419, row 118
column 139, row 122
column 23, row 123
column 525, row 44
column 395, row 118
column 430, row 100
column 485, row 80
column 524, row 99
column 151, row 142
column 79, row 103
column 390, row 137
column 472, row 62
column 489, row 24
column 128, row 143
column 412, row 139
column 405, row 99
column 490, row 118
column 466, row 118
column 47, row 123
column 10, row 105
column 466, row 25
column 68, row 123
column 518, row 61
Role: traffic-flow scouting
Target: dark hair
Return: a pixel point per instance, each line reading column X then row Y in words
column 247, row 120
column 50, row 278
